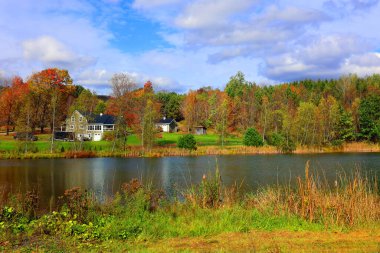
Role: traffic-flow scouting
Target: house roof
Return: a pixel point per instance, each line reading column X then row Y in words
column 165, row 121
column 105, row 119
column 93, row 118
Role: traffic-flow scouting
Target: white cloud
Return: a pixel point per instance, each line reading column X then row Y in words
column 149, row 4
column 332, row 50
column 46, row 49
column 365, row 64
column 326, row 57
column 203, row 14
column 51, row 52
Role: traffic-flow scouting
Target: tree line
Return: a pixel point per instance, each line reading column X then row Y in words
column 307, row 112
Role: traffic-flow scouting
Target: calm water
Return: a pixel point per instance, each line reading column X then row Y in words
column 105, row 175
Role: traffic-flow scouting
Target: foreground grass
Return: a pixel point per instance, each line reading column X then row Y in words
column 211, row 217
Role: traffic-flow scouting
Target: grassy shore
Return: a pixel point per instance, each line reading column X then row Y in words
column 165, row 146
column 209, row 217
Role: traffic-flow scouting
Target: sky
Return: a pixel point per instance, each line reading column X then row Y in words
column 182, row 44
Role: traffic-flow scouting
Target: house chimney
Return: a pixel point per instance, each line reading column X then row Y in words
column 101, row 114
column 164, row 118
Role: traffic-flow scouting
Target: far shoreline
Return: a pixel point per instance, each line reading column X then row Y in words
column 138, row 152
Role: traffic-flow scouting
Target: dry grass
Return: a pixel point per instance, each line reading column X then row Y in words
column 351, row 201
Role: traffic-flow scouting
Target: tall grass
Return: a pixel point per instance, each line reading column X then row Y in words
column 352, row 200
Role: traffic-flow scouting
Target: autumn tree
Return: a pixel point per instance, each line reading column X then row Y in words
column 188, row 109
column 148, row 113
column 328, row 110
column 50, row 90
column 121, row 105
column 221, row 118
column 87, row 101
column 305, row 125
column 11, row 101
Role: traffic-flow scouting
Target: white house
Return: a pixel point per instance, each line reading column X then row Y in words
column 168, row 125
column 90, row 126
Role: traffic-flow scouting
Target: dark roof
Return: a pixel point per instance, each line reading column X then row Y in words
column 93, row 118
column 165, row 121
column 105, row 119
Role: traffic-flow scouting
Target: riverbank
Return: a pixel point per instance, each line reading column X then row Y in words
column 210, row 217
column 136, row 151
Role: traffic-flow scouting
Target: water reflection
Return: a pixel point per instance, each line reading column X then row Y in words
column 104, row 176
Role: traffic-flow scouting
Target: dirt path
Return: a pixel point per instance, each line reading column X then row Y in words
column 278, row 241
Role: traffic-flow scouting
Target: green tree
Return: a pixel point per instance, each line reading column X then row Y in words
column 148, row 125
column 187, row 142
column 171, row 104
column 369, row 118
column 305, row 125
column 345, row 128
column 87, row 101
column 282, row 144
column 235, row 87
column 252, row 138
column 221, row 120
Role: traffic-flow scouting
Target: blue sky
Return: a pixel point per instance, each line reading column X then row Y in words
column 181, row 44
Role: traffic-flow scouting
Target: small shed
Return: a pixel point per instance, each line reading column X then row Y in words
column 200, row 130
column 168, row 125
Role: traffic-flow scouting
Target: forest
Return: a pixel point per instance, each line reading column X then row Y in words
column 300, row 113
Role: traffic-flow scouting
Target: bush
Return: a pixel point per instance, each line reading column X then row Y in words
column 276, row 139
column 109, row 136
column 252, row 138
column 187, row 142
column 288, row 146
column 281, row 143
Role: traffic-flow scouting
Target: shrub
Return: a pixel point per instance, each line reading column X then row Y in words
column 276, row 139
column 187, row 142
column 109, row 136
column 288, row 146
column 281, row 143
column 252, row 138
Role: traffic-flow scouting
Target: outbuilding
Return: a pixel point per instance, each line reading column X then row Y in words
column 168, row 125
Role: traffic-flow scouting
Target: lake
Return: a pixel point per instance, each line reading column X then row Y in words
column 104, row 176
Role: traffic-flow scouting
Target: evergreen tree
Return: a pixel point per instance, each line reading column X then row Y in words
column 252, row 138
column 187, row 142
column 369, row 118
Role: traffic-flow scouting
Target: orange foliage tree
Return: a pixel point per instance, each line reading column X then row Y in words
column 50, row 90
column 11, row 99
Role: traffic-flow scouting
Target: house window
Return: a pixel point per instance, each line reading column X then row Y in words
column 98, row 127
column 80, row 119
column 90, row 127
column 72, row 119
column 72, row 126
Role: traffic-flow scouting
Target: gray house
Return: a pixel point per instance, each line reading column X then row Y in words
column 90, row 126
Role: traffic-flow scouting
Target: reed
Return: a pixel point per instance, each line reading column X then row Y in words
column 352, row 200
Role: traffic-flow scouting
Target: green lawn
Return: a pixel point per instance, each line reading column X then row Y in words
column 202, row 140
column 7, row 143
